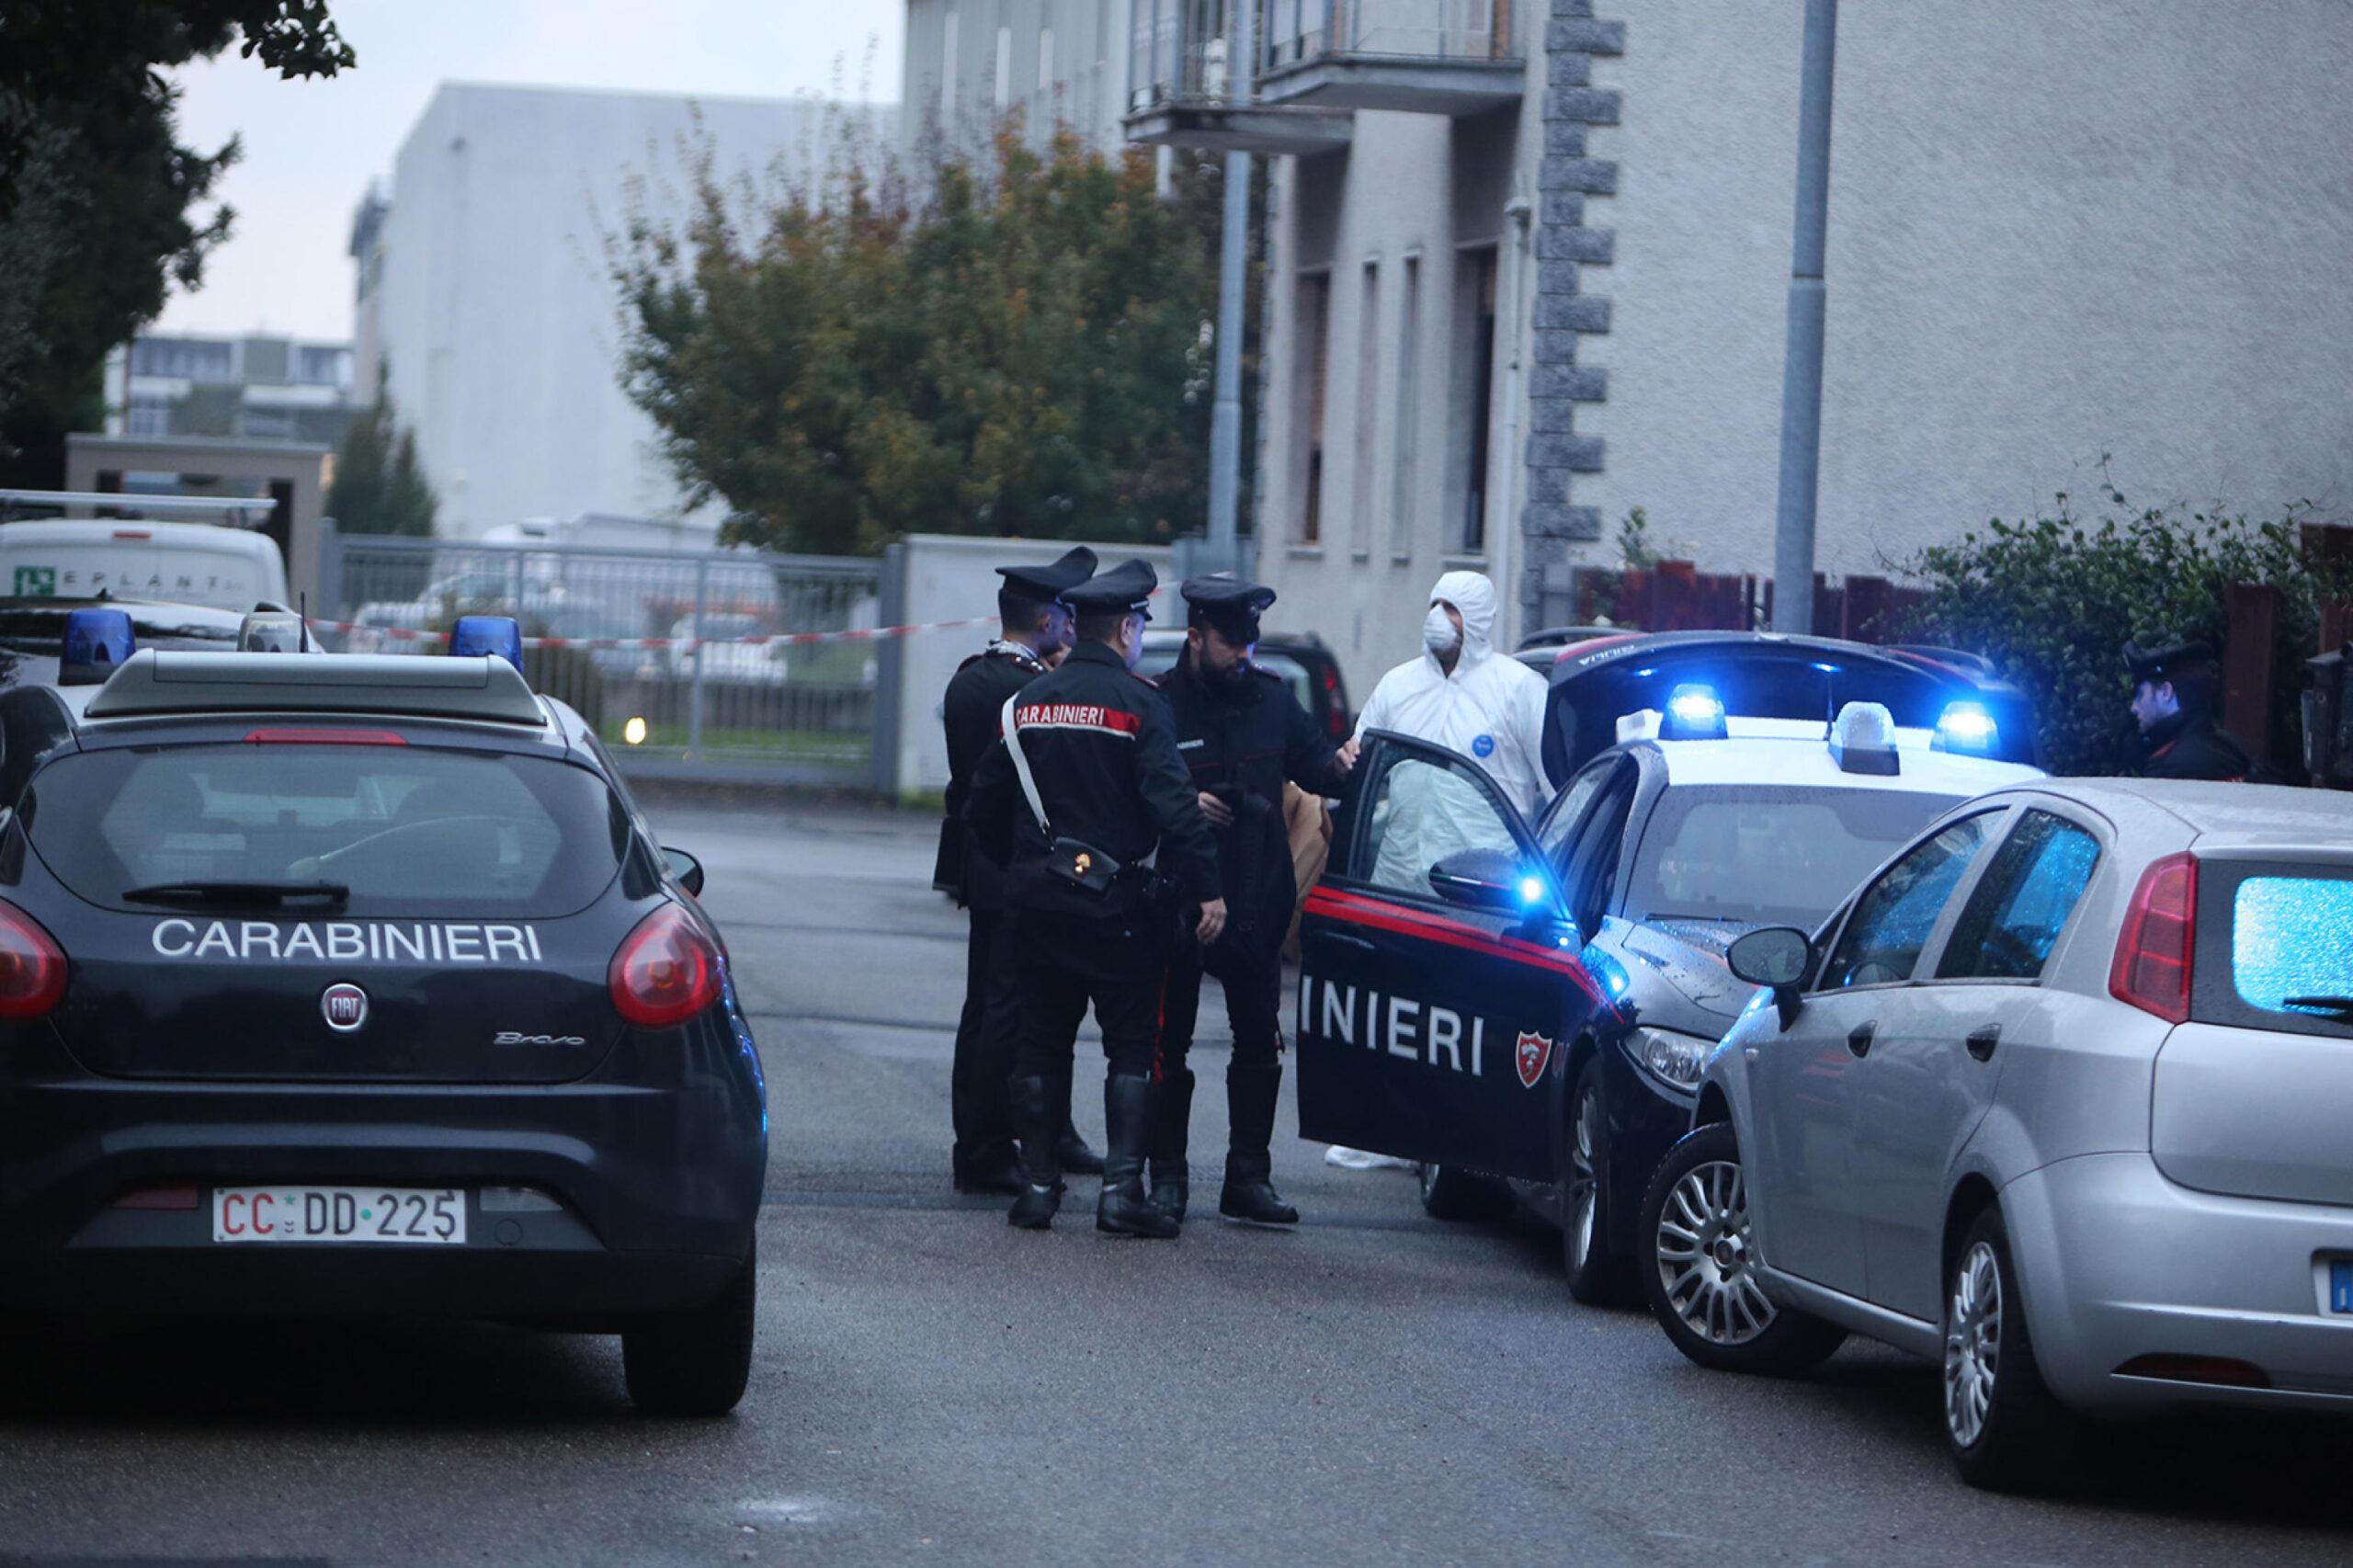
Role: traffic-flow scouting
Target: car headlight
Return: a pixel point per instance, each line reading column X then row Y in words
column 1675, row 1060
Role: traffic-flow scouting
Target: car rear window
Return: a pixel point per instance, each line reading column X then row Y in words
column 2275, row 947
column 410, row 830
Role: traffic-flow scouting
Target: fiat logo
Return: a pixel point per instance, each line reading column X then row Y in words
column 345, row 1007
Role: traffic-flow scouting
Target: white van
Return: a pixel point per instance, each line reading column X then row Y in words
column 198, row 563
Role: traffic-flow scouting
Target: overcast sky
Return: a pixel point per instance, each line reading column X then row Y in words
column 312, row 147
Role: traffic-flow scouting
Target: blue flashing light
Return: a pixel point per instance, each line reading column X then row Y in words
column 96, row 642
column 480, row 636
column 1532, row 890
column 1825, row 669
column 1606, row 971
column 1694, row 712
column 1965, row 727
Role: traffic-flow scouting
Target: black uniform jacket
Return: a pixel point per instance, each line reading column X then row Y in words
column 1242, row 742
column 2187, row 747
column 1103, row 749
column 975, row 698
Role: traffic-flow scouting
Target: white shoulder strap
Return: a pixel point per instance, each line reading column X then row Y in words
column 1021, row 767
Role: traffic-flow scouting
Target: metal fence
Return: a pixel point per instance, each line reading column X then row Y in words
column 680, row 659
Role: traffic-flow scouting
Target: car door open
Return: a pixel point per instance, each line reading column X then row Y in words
column 1440, row 982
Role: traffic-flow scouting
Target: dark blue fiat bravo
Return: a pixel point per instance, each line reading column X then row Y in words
column 341, row 984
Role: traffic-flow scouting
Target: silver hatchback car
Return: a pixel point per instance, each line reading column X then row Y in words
column 2062, row 1098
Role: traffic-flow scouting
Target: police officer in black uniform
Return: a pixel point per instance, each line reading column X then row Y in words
column 1091, row 921
column 1242, row 734
column 1035, row 627
column 2172, row 703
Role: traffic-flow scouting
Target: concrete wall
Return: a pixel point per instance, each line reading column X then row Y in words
column 1064, row 61
column 2055, row 231
column 1410, row 188
column 952, row 578
column 497, row 316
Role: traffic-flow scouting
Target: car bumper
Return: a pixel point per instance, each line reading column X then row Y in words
column 1646, row 1120
column 2117, row 1262
column 657, row 1189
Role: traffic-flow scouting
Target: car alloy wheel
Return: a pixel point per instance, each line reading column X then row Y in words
column 1581, row 1204
column 1702, row 1248
column 1972, row 1343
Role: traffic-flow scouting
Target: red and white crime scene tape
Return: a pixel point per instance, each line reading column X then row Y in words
column 855, row 634
column 779, row 639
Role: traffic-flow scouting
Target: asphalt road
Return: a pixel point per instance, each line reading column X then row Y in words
column 931, row 1385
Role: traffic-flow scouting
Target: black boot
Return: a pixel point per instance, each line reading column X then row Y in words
column 1127, row 1117
column 1249, row 1192
column 1041, row 1195
column 1071, row 1151
column 1172, row 1118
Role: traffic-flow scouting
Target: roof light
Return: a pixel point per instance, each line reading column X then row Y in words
column 1694, row 712
column 484, row 636
column 1862, row 739
column 271, row 632
column 1965, row 727
column 96, row 642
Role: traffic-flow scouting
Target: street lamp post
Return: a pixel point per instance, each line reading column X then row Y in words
column 1223, row 549
column 1802, row 367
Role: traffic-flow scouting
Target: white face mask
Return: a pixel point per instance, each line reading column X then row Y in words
column 1438, row 635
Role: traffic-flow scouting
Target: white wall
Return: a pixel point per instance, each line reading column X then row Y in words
column 2056, row 231
column 499, row 318
column 950, row 578
column 1409, row 186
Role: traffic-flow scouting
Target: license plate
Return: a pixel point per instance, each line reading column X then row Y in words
column 408, row 1216
column 2340, row 1285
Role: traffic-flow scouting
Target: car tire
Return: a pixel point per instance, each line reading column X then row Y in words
column 1697, row 1267
column 1449, row 1192
column 695, row 1362
column 1598, row 1275
column 2005, row 1428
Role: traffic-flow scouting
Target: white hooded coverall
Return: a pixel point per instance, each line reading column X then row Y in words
column 1491, row 710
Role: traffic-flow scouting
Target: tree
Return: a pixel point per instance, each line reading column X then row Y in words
column 95, row 190
column 1003, row 345
column 2052, row 600
column 379, row 486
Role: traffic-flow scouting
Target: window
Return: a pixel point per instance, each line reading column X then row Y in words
column 2010, row 924
column 1313, row 323
column 949, row 66
column 1361, row 504
column 1423, row 810
column 1750, row 855
column 410, row 830
column 1409, row 393
column 1562, row 820
column 1046, row 83
column 1474, row 376
column 1881, row 944
column 148, row 417
column 1004, row 67
column 2281, row 938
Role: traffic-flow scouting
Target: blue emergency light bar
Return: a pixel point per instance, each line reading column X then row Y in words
column 1694, row 712
column 96, row 643
column 1965, row 727
column 482, row 636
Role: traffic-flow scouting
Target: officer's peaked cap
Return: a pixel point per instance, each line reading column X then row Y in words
column 1229, row 604
column 1054, row 581
column 1127, row 587
column 2160, row 662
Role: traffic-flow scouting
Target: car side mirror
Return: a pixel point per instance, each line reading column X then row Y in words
column 686, row 867
column 1777, row 957
column 1486, row 879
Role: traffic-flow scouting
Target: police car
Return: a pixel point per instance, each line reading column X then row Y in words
column 1528, row 1007
column 359, row 984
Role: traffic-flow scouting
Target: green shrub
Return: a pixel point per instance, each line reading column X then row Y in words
column 2052, row 602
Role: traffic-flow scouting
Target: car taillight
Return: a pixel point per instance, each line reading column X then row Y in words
column 2157, row 948
column 665, row 972
column 32, row 966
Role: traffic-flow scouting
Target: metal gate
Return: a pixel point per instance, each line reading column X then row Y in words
column 712, row 665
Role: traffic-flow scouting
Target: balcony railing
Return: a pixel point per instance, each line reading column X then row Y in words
column 1301, row 31
column 1186, row 86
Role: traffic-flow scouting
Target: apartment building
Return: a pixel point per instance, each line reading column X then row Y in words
column 1530, row 260
column 256, row 386
column 484, row 296
column 970, row 62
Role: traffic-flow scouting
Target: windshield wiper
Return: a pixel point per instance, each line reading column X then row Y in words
column 247, row 893
column 2342, row 1006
